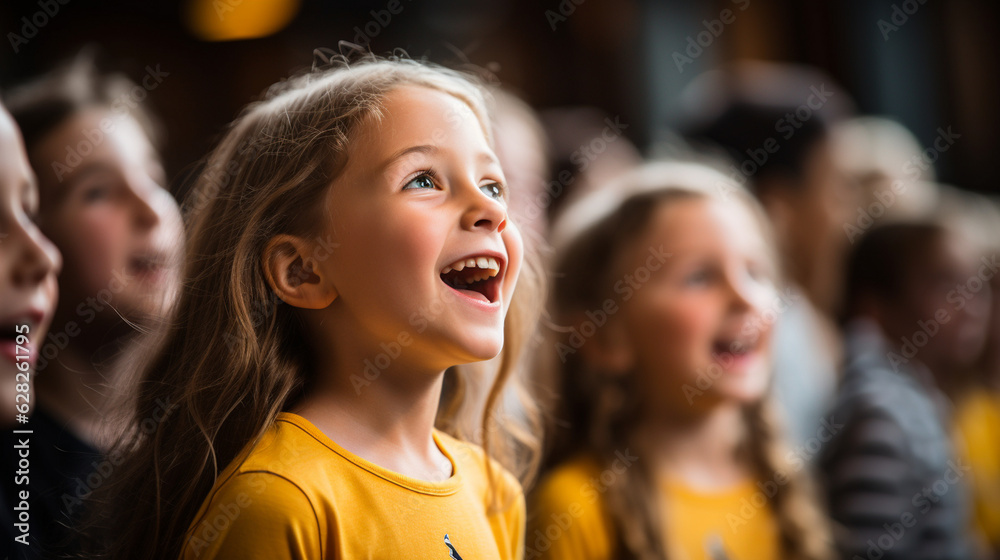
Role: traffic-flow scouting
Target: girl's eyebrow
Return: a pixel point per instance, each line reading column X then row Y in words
column 423, row 149
column 486, row 157
column 88, row 169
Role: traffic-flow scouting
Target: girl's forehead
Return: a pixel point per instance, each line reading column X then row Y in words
column 430, row 103
column 420, row 116
column 15, row 173
column 706, row 222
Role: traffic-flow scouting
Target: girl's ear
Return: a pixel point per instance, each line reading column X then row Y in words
column 294, row 275
column 609, row 349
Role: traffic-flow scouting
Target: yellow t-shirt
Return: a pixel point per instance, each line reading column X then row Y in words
column 300, row 495
column 977, row 424
column 568, row 519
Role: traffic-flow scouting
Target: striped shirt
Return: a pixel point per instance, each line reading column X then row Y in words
column 893, row 482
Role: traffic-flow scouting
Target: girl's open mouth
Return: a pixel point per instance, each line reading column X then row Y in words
column 476, row 276
column 734, row 349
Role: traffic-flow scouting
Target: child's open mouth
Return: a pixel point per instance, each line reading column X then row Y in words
column 732, row 347
column 147, row 264
column 735, row 350
column 476, row 276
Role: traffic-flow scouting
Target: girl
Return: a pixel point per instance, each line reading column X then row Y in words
column 29, row 264
column 349, row 244
column 667, row 283
column 104, row 205
column 28, row 268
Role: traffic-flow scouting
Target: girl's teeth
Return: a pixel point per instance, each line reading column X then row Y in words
column 488, row 264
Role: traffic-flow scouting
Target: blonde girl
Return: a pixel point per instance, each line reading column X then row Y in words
column 350, row 249
column 665, row 283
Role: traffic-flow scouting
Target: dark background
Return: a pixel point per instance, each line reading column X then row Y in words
column 939, row 68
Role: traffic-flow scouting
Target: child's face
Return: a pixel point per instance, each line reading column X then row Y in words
column 421, row 191
column 695, row 329
column 936, row 298
column 118, row 229
column 28, row 261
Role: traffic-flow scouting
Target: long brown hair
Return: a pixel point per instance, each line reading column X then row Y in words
column 598, row 413
column 233, row 356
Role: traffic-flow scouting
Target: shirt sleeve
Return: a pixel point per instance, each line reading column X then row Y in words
column 256, row 516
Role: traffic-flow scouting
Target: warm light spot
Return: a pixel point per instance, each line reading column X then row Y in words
column 230, row 20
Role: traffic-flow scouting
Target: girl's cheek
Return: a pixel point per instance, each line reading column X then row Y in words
column 668, row 324
column 696, row 321
column 96, row 242
column 514, row 244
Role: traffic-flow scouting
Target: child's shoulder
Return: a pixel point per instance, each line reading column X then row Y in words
column 571, row 480
column 261, row 500
column 289, row 447
column 568, row 514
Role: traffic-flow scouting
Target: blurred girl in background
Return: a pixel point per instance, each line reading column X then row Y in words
column 665, row 281
column 92, row 145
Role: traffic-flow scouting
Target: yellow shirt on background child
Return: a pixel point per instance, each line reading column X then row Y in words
column 977, row 425
column 300, row 495
column 569, row 520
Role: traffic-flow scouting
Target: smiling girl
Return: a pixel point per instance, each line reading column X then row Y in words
column 664, row 280
column 360, row 253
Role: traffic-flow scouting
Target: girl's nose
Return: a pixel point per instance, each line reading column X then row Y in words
column 740, row 292
column 153, row 205
column 37, row 259
column 483, row 211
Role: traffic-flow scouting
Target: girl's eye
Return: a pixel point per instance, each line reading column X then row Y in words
column 94, row 194
column 420, row 182
column 493, row 190
column 698, row 278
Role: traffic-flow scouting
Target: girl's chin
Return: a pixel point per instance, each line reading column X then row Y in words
column 746, row 392
column 481, row 352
